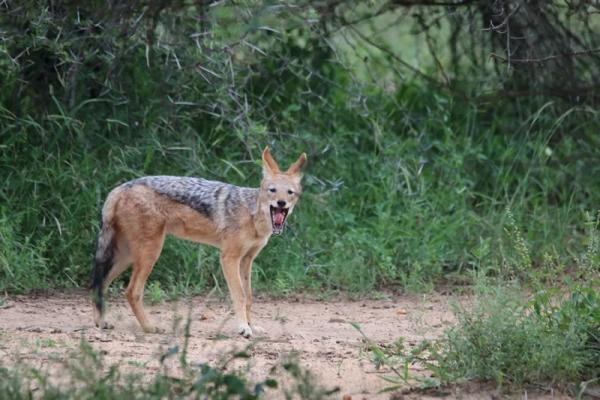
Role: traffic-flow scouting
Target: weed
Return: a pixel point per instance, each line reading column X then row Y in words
column 507, row 339
column 502, row 341
column 45, row 342
column 22, row 265
column 590, row 261
column 154, row 293
column 397, row 359
column 84, row 374
column 404, row 187
column 523, row 262
column 304, row 382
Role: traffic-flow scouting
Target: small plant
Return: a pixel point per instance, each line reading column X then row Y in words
column 515, row 342
column 84, row 375
column 590, row 261
column 552, row 270
column 397, row 359
column 46, row 342
column 155, row 293
column 504, row 338
column 304, row 382
column 523, row 262
column 578, row 314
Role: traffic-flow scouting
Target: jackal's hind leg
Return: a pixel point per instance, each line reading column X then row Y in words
column 144, row 257
column 99, row 319
column 117, row 269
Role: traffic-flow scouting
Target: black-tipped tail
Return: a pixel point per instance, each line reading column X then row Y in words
column 103, row 262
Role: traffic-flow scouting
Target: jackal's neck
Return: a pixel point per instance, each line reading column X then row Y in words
column 251, row 198
column 260, row 214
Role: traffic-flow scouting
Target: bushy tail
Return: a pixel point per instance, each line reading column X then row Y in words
column 103, row 262
column 105, row 252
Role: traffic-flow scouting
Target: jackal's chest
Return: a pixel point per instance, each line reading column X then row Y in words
column 256, row 239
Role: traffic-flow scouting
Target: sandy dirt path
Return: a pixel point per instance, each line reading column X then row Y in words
column 35, row 329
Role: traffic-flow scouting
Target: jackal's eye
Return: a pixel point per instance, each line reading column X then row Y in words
column 290, row 192
column 272, row 190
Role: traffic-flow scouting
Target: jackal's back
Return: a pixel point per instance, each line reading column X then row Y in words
column 215, row 200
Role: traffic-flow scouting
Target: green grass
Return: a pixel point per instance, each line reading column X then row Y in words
column 85, row 375
column 396, row 202
column 548, row 340
column 541, row 334
column 404, row 189
column 507, row 340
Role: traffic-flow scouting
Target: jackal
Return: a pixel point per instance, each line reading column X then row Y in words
column 138, row 214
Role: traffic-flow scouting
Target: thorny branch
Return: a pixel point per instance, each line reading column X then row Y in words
column 550, row 47
column 544, row 59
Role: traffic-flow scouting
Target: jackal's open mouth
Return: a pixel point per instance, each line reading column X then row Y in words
column 278, row 217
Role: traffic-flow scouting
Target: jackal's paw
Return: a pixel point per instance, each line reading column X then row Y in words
column 245, row 330
column 153, row 329
column 104, row 325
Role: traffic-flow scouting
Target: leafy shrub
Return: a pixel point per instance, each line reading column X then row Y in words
column 23, row 267
column 578, row 315
column 501, row 339
column 404, row 187
column 504, row 338
column 84, row 375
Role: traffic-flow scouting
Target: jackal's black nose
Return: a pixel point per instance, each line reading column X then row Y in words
column 281, row 203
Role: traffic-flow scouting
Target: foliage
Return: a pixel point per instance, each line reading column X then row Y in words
column 22, row 265
column 548, row 341
column 84, row 375
column 397, row 359
column 407, row 184
column 504, row 341
column 549, row 338
column 510, row 48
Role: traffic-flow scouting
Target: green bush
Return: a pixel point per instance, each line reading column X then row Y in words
column 550, row 340
column 514, row 342
column 85, row 375
column 404, row 188
column 22, row 265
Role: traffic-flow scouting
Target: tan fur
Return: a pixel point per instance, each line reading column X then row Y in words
column 141, row 218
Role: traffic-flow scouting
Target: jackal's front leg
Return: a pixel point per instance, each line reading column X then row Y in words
column 246, row 274
column 230, row 261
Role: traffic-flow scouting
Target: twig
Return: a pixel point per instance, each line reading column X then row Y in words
column 395, row 57
column 543, row 59
column 432, row 3
column 433, row 53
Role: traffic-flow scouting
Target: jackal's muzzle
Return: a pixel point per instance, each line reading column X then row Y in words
column 278, row 218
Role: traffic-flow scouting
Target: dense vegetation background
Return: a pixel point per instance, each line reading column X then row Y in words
column 446, row 140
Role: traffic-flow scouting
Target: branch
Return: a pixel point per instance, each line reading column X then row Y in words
column 432, row 3
column 543, row 59
column 395, row 57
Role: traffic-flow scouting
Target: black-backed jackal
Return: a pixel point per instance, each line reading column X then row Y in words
column 138, row 214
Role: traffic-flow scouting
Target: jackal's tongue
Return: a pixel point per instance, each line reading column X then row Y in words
column 278, row 216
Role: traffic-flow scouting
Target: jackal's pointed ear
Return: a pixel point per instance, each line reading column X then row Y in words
column 295, row 168
column 270, row 167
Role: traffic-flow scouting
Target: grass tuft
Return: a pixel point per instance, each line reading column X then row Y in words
column 85, row 375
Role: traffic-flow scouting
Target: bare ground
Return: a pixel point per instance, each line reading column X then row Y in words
column 36, row 329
